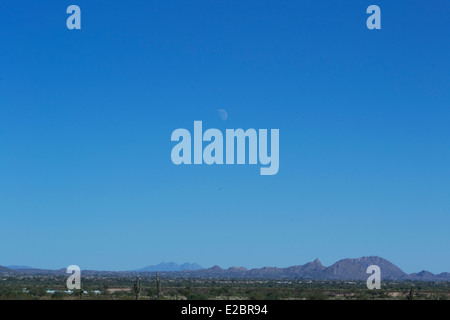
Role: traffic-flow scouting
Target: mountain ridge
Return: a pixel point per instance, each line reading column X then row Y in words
column 344, row 269
column 171, row 266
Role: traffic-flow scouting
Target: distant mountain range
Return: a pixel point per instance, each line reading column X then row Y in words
column 346, row 269
column 18, row 267
column 171, row 266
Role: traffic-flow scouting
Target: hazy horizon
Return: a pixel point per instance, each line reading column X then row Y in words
column 212, row 265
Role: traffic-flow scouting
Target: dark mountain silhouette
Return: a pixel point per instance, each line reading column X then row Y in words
column 355, row 269
column 172, row 266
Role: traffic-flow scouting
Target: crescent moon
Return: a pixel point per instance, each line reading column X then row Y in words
column 222, row 114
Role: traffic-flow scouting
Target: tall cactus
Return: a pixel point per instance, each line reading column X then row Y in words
column 410, row 295
column 158, row 286
column 137, row 288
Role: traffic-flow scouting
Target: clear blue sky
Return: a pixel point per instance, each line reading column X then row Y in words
column 86, row 118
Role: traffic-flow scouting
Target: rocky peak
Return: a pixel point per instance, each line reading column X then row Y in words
column 317, row 262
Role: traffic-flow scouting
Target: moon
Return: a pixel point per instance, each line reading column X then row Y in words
column 222, row 114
